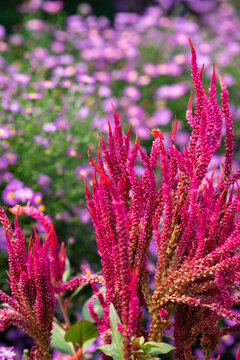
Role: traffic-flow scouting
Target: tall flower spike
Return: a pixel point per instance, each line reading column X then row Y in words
column 32, row 306
column 57, row 258
column 195, row 224
column 229, row 129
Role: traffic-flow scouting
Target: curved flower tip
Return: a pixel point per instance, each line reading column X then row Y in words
column 218, row 358
column 222, row 84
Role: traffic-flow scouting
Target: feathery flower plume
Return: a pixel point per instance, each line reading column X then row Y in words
column 32, row 305
column 194, row 222
column 57, row 258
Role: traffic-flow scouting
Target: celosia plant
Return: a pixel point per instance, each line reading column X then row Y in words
column 32, row 304
column 193, row 219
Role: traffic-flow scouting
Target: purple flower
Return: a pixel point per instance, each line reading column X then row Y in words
column 104, row 91
column 23, row 79
column 103, row 77
column 36, row 198
column 52, row 7
column 39, row 53
column 61, row 123
column 3, row 163
column 150, row 69
column 32, row 96
column 11, row 157
column 71, row 151
column 7, row 353
column 49, row 127
column 43, row 180
column 83, row 171
column 24, row 194
column 34, row 25
column 83, row 112
column 9, row 194
column 2, row 32
column 4, row 132
column 16, row 39
column 162, row 116
column 134, row 111
column 132, row 92
column 85, row 8
column 58, row 47
column 173, row 91
column 107, row 103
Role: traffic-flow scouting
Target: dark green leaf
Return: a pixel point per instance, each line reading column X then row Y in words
column 82, row 331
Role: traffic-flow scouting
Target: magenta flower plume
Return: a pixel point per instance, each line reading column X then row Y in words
column 193, row 219
column 199, row 235
column 57, row 257
column 122, row 208
column 32, row 305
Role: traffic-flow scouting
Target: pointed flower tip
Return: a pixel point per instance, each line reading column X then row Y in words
column 218, row 358
column 223, row 192
column 222, row 84
column 214, row 168
column 175, row 126
column 157, row 134
column 190, row 42
column 86, row 271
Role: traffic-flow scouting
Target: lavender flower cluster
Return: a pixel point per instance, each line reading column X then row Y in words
column 58, row 77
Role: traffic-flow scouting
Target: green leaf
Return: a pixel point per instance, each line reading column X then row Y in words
column 67, row 272
column 81, row 332
column 116, row 335
column 106, row 349
column 115, row 349
column 154, row 348
column 58, row 341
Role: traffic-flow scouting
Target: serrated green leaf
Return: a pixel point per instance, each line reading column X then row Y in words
column 81, row 332
column 58, row 341
column 154, row 348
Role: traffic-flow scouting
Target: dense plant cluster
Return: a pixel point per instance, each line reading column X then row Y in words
column 59, row 76
column 193, row 219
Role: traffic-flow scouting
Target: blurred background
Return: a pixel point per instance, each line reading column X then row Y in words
column 62, row 65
